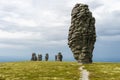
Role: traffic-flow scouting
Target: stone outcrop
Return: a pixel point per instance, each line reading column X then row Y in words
column 82, row 33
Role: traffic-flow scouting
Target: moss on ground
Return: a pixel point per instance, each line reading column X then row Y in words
column 39, row 71
column 104, row 71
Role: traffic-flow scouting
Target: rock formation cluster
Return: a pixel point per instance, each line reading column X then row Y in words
column 34, row 57
column 82, row 33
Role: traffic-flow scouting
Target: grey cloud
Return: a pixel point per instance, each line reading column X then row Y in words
column 52, row 19
column 108, row 25
column 95, row 4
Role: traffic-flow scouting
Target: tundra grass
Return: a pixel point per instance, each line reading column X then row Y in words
column 35, row 70
column 104, row 71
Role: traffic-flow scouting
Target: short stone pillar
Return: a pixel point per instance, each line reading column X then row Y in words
column 56, row 57
column 60, row 56
column 34, row 57
column 39, row 57
column 46, row 57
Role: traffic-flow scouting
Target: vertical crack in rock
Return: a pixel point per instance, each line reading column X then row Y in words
column 82, row 33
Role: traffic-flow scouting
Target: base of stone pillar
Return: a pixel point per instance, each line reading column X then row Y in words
column 85, row 61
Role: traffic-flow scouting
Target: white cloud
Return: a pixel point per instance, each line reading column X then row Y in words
column 20, row 21
column 109, row 38
column 11, row 46
column 20, row 35
column 46, row 22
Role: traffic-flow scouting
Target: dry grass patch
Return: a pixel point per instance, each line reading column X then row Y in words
column 104, row 71
column 39, row 71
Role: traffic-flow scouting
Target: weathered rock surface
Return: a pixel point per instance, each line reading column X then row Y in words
column 82, row 33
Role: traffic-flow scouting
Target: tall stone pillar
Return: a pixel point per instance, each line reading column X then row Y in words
column 82, row 33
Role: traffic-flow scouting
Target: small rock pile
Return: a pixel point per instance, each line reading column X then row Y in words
column 82, row 33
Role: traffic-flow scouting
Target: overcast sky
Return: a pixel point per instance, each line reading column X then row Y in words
column 41, row 26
